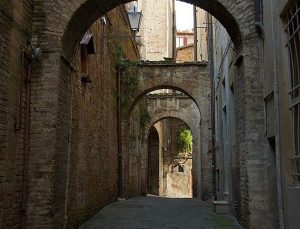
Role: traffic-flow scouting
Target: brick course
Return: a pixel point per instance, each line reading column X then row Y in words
column 93, row 160
column 15, row 32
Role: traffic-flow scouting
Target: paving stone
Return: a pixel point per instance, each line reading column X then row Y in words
column 159, row 212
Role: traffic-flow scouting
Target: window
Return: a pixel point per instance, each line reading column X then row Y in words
column 293, row 44
column 181, row 168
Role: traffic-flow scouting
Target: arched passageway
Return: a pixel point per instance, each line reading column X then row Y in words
column 170, row 170
column 83, row 13
column 176, row 105
column 191, row 79
column 46, row 183
column 63, row 24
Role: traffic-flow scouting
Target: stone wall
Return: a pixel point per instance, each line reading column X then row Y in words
column 134, row 146
column 242, row 162
column 15, row 35
column 182, row 107
column 156, row 29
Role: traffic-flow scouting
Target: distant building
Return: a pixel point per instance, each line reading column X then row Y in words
column 157, row 29
column 185, row 40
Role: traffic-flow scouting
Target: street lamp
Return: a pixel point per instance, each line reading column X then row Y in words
column 135, row 20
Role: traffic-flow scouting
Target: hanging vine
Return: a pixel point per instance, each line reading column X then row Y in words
column 129, row 80
column 184, row 142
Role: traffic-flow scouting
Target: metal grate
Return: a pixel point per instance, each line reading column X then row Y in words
column 293, row 44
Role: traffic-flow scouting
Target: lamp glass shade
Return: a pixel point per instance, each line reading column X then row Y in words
column 135, row 20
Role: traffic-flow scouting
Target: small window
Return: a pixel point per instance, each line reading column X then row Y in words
column 292, row 31
column 181, row 168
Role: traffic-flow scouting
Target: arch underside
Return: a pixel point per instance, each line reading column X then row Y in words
column 89, row 11
column 145, row 91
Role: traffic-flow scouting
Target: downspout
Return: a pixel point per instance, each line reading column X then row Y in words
column 195, row 33
column 119, row 126
column 213, row 125
column 174, row 30
column 277, row 126
column 258, row 17
column 26, row 140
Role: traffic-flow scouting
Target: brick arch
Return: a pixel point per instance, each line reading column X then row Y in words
column 85, row 12
column 185, row 78
column 57, row 28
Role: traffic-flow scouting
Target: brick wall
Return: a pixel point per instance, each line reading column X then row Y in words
column 15, row 29
column 93, row 160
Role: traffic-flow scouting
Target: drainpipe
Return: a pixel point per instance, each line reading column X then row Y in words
column 174, row 30
column 213, row 125
column 195, row 33
column 119, row 126
column 258, row 17
column 277, row 125
column 26, row 138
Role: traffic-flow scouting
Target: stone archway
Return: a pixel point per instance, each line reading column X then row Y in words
column 173, row 183
column 190, row 78
column 189, row 113
column 57, row 29
column 78, row 17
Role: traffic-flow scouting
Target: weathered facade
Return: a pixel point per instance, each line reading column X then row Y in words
column 15, row 77
column 182, row 77
column 158, row 29
column 37, row 120
column 175, row 173
column 93, row 77
column 185, row 53
column 279, row 164
column 197, row 119
column 93, row 153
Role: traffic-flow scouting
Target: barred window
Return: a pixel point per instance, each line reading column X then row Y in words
column 293, row 44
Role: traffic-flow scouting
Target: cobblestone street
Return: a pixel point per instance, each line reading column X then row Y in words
column 157, row 212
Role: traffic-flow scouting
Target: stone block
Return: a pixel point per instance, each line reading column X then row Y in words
column 221, row 207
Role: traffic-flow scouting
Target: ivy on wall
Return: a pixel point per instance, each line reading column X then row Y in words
column 184, row 142
column 128, row 71
column 129, row 78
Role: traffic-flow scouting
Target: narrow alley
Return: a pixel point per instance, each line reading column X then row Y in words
column 160, row 213
column 149, row 114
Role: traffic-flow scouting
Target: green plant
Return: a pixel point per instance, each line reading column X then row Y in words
column 129, row 79
column 184, row 142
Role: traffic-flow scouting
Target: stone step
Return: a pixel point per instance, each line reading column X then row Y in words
column 221, row 207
